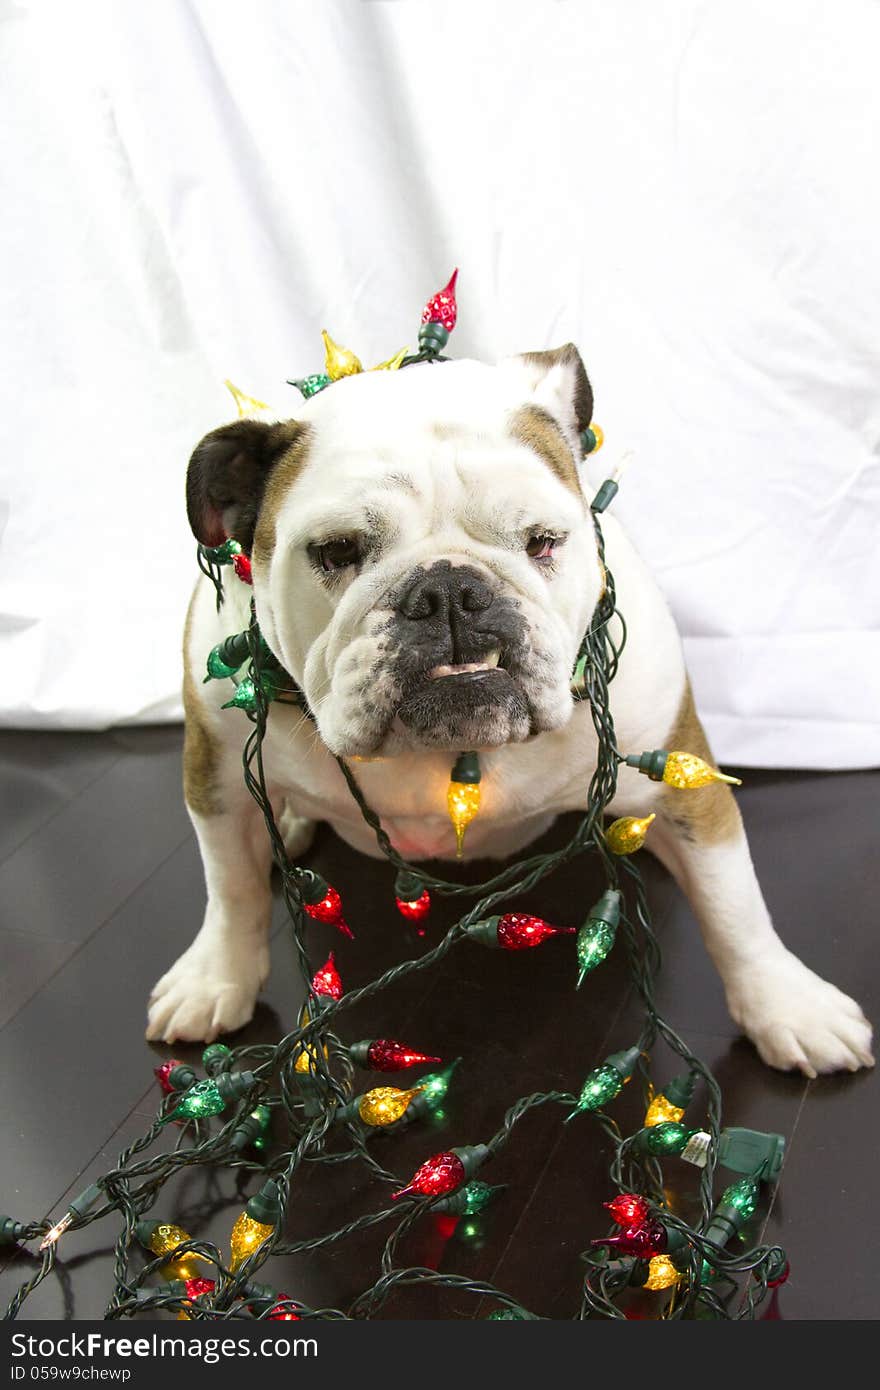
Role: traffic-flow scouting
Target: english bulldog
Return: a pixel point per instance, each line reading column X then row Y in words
column 425, row 565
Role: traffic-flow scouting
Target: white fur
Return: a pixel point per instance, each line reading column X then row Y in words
column 475, row 488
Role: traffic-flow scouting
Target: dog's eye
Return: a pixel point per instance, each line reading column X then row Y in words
column 338, row 554
column 541, row 547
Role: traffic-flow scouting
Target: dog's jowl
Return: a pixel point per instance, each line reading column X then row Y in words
column 424, row 566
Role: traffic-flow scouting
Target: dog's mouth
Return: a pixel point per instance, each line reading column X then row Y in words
column 473, row 704
column 466, row 668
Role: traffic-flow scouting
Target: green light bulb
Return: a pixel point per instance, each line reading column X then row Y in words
column 217, row 667
column 244, row 698
column 594, row 942
column 436, row 1084
column 670, row 1137
column 200, row 1102
column 210, row 1097
column 606, row 1082
column 742, row 1196
column 222, row 554
column 311, row 385
column 596, row 937
column 469, row 1200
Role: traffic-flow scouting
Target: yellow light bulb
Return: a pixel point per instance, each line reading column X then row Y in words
column 247, row 1236
column 687, row 772
column 626, row 835
column 598, row 435
column 306, row 1059
column 662, row 1273
column 463, row 803
column 392, row 363
column 247, row 405
column 164, row 1241
column 385, row 1104
column 660, row 1111
column 339, row 361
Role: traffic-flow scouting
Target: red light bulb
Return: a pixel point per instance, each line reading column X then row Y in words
column 518, row 930
column 327, row 906
column 281, row 1314
column 242, row 566
column 441, row 307
column 628, row 1209
column 781, row 1279
column 326, row 982
column 438, row 1175
column 384, row 1054
column 643, row 1241
column 162, row 1073
column 196, row 1287
column 416, row 909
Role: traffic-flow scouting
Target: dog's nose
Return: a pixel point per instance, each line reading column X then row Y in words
column 446, row 591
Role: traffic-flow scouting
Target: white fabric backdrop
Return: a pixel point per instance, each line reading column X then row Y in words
column 688, row 190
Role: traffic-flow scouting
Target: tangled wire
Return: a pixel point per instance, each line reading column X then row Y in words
column 709, row 1280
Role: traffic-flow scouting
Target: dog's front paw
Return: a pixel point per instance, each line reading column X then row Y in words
column 797, row 1020
column 206, row 993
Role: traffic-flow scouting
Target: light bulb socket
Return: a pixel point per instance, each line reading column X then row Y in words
column 726, row 1222
column 232, row 1085
column 260, row 1296
column 174, row 1288
column 265, row 1205
column 472, row 1156
column 248, row 1129
column 359, row 1052
column 144, row 1230
column 589, row 441
column 624, row 1063
column 408, row 886
column 607, row 909
column 680, row 1090
column 181, row 1077
column 433, row 338
column 605, row 496
column 466, row 768
column 311, row 885
column 11, row 1230
column 87, row 1199
column 652, row 764
column 485, row 932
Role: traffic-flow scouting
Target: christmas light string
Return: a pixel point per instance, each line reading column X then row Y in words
column 308, row 1082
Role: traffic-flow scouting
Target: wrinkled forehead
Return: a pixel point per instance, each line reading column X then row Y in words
column 462, row 426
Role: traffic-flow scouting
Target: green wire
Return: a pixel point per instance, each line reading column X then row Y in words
column 134, row 1186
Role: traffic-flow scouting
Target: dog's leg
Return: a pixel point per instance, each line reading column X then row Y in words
column 213, row 986
column 794, row 1018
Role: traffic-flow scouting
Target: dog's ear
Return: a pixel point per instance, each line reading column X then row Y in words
column 227, row 476
column 557, row 381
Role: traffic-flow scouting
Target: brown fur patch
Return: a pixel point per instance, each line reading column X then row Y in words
column 283, row 475
column 201, row 749
column 710, row 814
column 532, row 426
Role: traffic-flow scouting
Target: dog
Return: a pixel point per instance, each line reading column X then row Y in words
column 425, row 565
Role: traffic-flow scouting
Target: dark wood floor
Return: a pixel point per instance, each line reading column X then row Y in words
column 101, row 887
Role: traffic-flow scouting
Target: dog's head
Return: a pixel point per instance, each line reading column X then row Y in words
column 424, row 561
